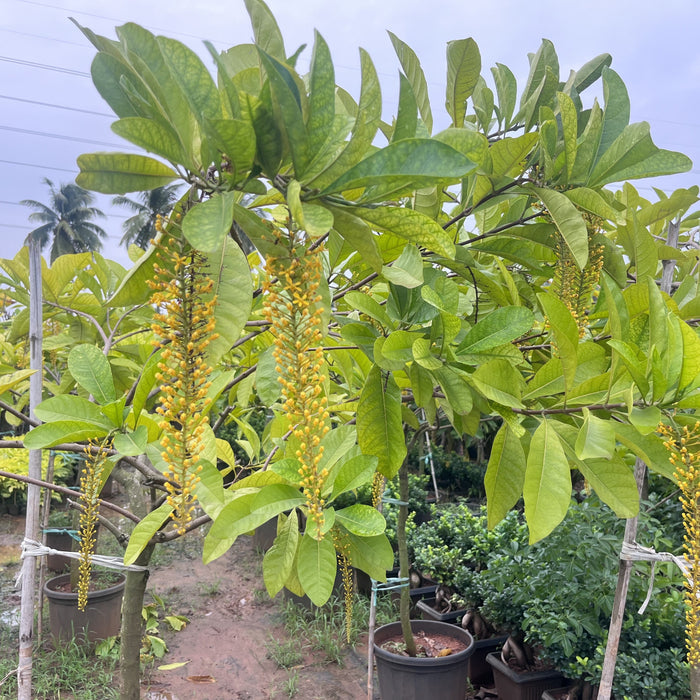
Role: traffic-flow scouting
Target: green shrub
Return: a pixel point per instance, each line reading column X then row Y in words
column 16, row 461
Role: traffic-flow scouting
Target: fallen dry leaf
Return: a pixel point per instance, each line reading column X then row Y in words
column 201, row 679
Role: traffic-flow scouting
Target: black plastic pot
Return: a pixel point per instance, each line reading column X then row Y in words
column 426, row 607
column 100, row 619
column 478, row 670
column 529, row 685
column 406, row 678
column 60, row 539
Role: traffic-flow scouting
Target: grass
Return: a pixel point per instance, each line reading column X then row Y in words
column 323, row 629
column 285, row 654
column 59, row 673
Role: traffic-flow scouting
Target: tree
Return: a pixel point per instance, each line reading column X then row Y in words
column 67, row 222
column 139, row 229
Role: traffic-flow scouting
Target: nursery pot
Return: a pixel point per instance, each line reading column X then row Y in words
column 478, row 669
column 528, row 685
column 60, row 539
column 427, row 610
column 100, row 619
column 407, row 678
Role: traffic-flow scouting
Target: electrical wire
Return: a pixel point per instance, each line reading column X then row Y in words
column 63, row 137
column 51, row 104
column 44, row 66
column 36, row 165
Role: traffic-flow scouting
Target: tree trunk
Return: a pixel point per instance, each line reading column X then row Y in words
column 695, row 683
column 405, row 610
column 132, row 629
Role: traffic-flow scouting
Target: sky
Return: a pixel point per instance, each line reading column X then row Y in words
column 50, row 112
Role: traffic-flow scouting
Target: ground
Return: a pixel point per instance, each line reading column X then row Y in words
column 232, row 625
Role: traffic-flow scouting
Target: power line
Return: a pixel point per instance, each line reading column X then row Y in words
column 36, row 165
column 63, row 137
column 44, row 66
column 51, row 104
column 110, row 19
column 45, row 38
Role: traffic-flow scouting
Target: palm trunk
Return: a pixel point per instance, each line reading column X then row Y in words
column 132, row 629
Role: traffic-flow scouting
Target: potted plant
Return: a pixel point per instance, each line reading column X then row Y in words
column 101, row 617
column 60, row 535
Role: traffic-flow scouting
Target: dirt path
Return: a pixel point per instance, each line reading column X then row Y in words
column 231, row 621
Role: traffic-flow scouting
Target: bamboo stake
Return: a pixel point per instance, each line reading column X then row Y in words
column 26, row 622
column 623, row 576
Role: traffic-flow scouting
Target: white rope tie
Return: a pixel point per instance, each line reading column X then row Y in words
column 31, row 548
column 635, row 552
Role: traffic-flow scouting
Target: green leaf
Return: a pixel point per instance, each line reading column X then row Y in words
column 379, row 425
column 265, row 29
column 614, row 482
column 456, row 389
column 352, row 474
column 407, row 117
column 505, row 475
column 690, row 371
column 397, row 347
column 501, row 326
column 410, row 225
column 321, row 95
column 596, row 438
column 591, row 201
column 208, row 223
column 192, row 76
column 547, row 487
column 119, row 173
column 57, row 432
column 236, row 139
column 569, row 125
column 568, row 221
column 373, row 555
column 507, row 92
column 358, row 235
column 144, row 531
column 67, row 407
column 368, row 306
column 591, row 71
column 649, row 448
column 316, row 567
column 152, row 136
column 646, row 420
column 413, row 163
column 228, row 268
column 90, row 368
column 422, row 354
column 278, row 561
column 361, row 520
column 499, row 381
column 634, row 155
column 412, row 68
column 546, row 57
column 266, row 383
column 508, row 154
column 407, row 269
column 565, row 333
column 463, row 70
column 132, row 443
column 616, row 115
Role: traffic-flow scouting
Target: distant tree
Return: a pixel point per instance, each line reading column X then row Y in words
column 140, row 228
column 67, row 221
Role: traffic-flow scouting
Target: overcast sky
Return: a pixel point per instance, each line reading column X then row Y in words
column 50, row 112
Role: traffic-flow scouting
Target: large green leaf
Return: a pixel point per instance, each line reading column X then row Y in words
column 633, row 155
column 119, row 173
column 57, row 432
column 68, row 407
column 321, row 95
column 353, row 473
column 409, row 162
column 208, row 223
column 508, row 154
column 358, row 235
column 565, row 333
column 507, row 92
column 234, row 138
column 379, row 425
column 361, row 520
column 369, row 114
column 690, row 372
column 132, row 443
column 569, row 127
column 265, row 29
column 547, row 487
column 228, row 268
column 616, row 115
column 316, row 567
column 412, row 68
column 409, row 225
column 499, row 381
column 568, row 221
column 151, row 136
column 407, row 117
column 7, row 381
column 505, row 475
column 142, row 534
column 463, row 70
column 591, row 201
column 649, row 448
column 588, row 73
column 596, row 438
column 407, row 269
column 90, row 368
column 501, row 326
column 278, row 561
column 613, row 480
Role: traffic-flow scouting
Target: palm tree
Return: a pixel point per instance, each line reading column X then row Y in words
column 66, row 221
column 140, row 228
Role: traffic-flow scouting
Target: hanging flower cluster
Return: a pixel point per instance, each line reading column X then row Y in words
column 683, row 444
column 90, row 486
column 184, row 325
column 292, row 307
column 342, row 547
column 573, row 285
